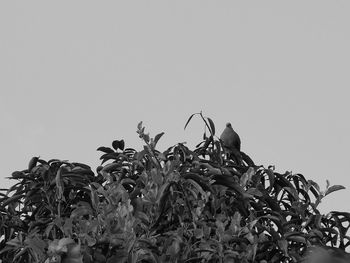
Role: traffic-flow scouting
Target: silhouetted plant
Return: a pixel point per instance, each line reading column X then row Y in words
column 179, row 205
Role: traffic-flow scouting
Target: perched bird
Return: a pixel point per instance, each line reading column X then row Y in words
column 230, row 138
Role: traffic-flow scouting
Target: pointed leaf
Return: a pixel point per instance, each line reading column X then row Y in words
column 139, row 126
column 212, row 126
column 314, row 184
column 189, row 119
column 11, row 200
column 197, row 187
column 110, row 167
column 59, row 184
column 157, row 137
column 292, row 192
column 334, row 188
column 109, row 156
column 32, row 163
column 82, row 165
column 105, row 149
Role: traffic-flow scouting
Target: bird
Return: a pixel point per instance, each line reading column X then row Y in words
column 231, row 144
column 230, row 138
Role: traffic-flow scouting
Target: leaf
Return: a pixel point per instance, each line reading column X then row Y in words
column 14, row 242
column 206, row 144
column 292, row 192
column 212, row 126
column 82, row 165
column 162, row 193
column 32, row 163
column 157, row 137
column 229, row 182
column 255, row 192
column 283, row 245
column 146, row 138
column 59, row 184
column 334, row 188
column 314, row 184
column 118, row 144
column 197, row 187
column 139, row 126
column 17, row 175
column 11, row 200
column 19, row 254
column 156, row 176
column 109, row 156
column 247, row 176
column 271, row 176
column 105, row 149
column 189, row 119
column 247, row 159
column 80, row 211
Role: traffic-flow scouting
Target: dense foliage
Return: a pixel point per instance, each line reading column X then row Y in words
column 179, row 205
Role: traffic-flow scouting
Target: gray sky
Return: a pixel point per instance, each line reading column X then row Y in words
column 76, row 75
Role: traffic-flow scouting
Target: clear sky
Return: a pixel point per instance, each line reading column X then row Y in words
column 76, row 75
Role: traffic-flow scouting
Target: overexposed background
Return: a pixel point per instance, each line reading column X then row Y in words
column 76, row 75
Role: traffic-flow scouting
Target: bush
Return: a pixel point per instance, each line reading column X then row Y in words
column 179, row 205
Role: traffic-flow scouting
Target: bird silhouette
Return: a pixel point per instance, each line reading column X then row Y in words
column 230, row 138
column 231, row 143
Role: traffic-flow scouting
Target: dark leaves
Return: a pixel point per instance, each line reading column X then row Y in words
column 105, row 149
column 179, row 205
column 118, row 145
column 212, row 126
column 157, row 137
column 32, row 163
